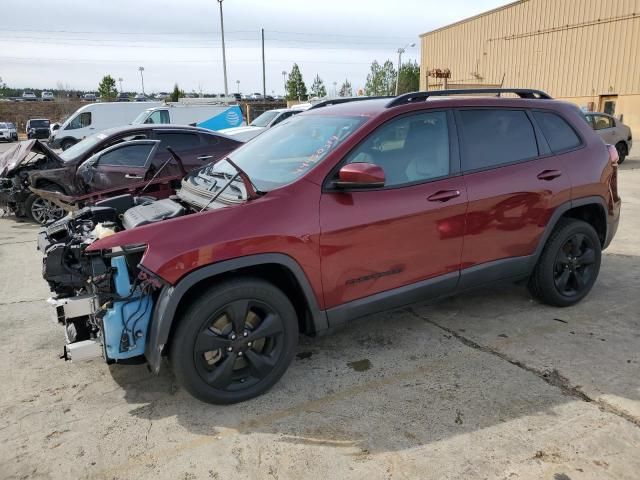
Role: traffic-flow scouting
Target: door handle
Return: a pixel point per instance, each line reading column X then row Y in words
column 549, row 174
column 131, row 176
column 443, row 195
column 204, row 157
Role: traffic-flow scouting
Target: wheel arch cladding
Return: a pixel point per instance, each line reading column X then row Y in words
column 593, row 214
column 281, row 270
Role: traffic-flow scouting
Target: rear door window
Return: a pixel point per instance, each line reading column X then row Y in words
column 178, row 141
column 159, row 117
column 560, row 135
column 496, row 137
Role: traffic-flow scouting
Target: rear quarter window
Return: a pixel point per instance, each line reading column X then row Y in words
column 559, row 134
column 495, row 137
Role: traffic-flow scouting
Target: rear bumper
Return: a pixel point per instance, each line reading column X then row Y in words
column 613, row 218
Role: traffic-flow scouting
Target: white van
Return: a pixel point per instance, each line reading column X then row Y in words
column 94, row 118
column 212, row 117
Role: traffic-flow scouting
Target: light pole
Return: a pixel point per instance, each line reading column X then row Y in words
column 224, row 55
column 120, row 80
column 284, row 81
column 141, row 69
column 238, row 83
column 335, row 89
column 400, row 52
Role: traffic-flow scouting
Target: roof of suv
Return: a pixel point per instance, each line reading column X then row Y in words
column 450, row 98
column 162, row 126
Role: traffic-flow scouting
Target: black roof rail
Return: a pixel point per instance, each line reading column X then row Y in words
column 337, row 101
column 421, row 96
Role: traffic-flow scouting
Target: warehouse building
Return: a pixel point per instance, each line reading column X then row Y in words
column 583, row 51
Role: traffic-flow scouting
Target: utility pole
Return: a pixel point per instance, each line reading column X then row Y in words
column 224, row 57
column 141, row 69
column 284, row 81
column 120, row 80
column 238, row 83
column 264, row 77
column 400, row 52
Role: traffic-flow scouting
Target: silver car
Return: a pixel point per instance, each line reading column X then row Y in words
column 8, row 132
column 612, row 131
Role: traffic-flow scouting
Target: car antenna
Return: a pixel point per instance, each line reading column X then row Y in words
column 173, row 155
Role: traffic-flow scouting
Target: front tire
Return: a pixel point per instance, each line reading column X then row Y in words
column 235, row 342
column 569, row 264
column 67, row 144
column 43, row 211
column 621, row 147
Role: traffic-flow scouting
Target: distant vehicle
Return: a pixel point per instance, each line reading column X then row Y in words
column 123, row 97
column 94, row 118
column 8, row 132
column 29, row 97
column 212, row 117
column 236, row 96
column 140, row 98
column 89, row 97
column 257, row 96
column 161, row 95
column 47, row 96
column 612, row 131
column 278, row 97
column 38, row 128
column 267, row 120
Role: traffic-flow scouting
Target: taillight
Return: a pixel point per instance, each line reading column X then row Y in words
column 613, row 154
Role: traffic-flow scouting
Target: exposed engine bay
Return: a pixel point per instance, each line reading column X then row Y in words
column 104, row 299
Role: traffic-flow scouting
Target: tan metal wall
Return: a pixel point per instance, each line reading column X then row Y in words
column 569, row 48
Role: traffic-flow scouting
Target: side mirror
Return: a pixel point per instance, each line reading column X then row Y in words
column 55, row 127
column 360, row 175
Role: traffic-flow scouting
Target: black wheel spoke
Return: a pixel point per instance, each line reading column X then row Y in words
column 563, row 279
column 237, row 312
column 562, row 257
column 222, row 375
column 259, row 365
column 588, row 257
column 576, row 244
column 207, row 341
column 580, row 280
column 269, row 327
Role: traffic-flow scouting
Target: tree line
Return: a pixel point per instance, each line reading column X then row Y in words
column 381, row 80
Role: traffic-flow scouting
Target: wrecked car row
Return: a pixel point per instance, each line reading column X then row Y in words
column 100, row 166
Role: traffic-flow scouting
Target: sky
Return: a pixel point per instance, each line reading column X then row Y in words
column 75, row 43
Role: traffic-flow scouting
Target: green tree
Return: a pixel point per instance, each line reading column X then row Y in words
column 381, row 79
column 296, row 89
column 318, row 89
column 345, row 89
column 177, row 93
column 409, row 78
column 107, row 89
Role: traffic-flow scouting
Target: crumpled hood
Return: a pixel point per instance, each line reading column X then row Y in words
column 19, row 153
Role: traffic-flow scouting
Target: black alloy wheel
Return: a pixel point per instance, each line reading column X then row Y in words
column 569, row 264
column 574, row 266
column 235, row 342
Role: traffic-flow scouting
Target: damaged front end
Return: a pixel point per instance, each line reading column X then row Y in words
column 104, row 300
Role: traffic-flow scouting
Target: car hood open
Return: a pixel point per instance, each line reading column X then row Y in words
column 19, row 154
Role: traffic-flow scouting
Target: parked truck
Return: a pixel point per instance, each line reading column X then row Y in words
column 210, row 116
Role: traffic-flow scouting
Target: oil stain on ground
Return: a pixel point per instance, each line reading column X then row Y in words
column 360, row 365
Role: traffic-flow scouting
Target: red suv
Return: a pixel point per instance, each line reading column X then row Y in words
column 344, row 210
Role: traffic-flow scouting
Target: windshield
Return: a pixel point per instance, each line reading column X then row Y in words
column 264, row 119
column 284, row 153
column 39, row 123
column 4, row 125
column 81, row 147
column 140, row 118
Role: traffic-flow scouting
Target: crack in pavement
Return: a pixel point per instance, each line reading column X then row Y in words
column 553, row 377
column 15, row 302
column 17, row 243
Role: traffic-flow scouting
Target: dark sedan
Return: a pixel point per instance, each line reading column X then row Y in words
column 120, row 157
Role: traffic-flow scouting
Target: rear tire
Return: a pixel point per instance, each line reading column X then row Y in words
column 235, row 342
column 621, row 147
column 569, row 264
